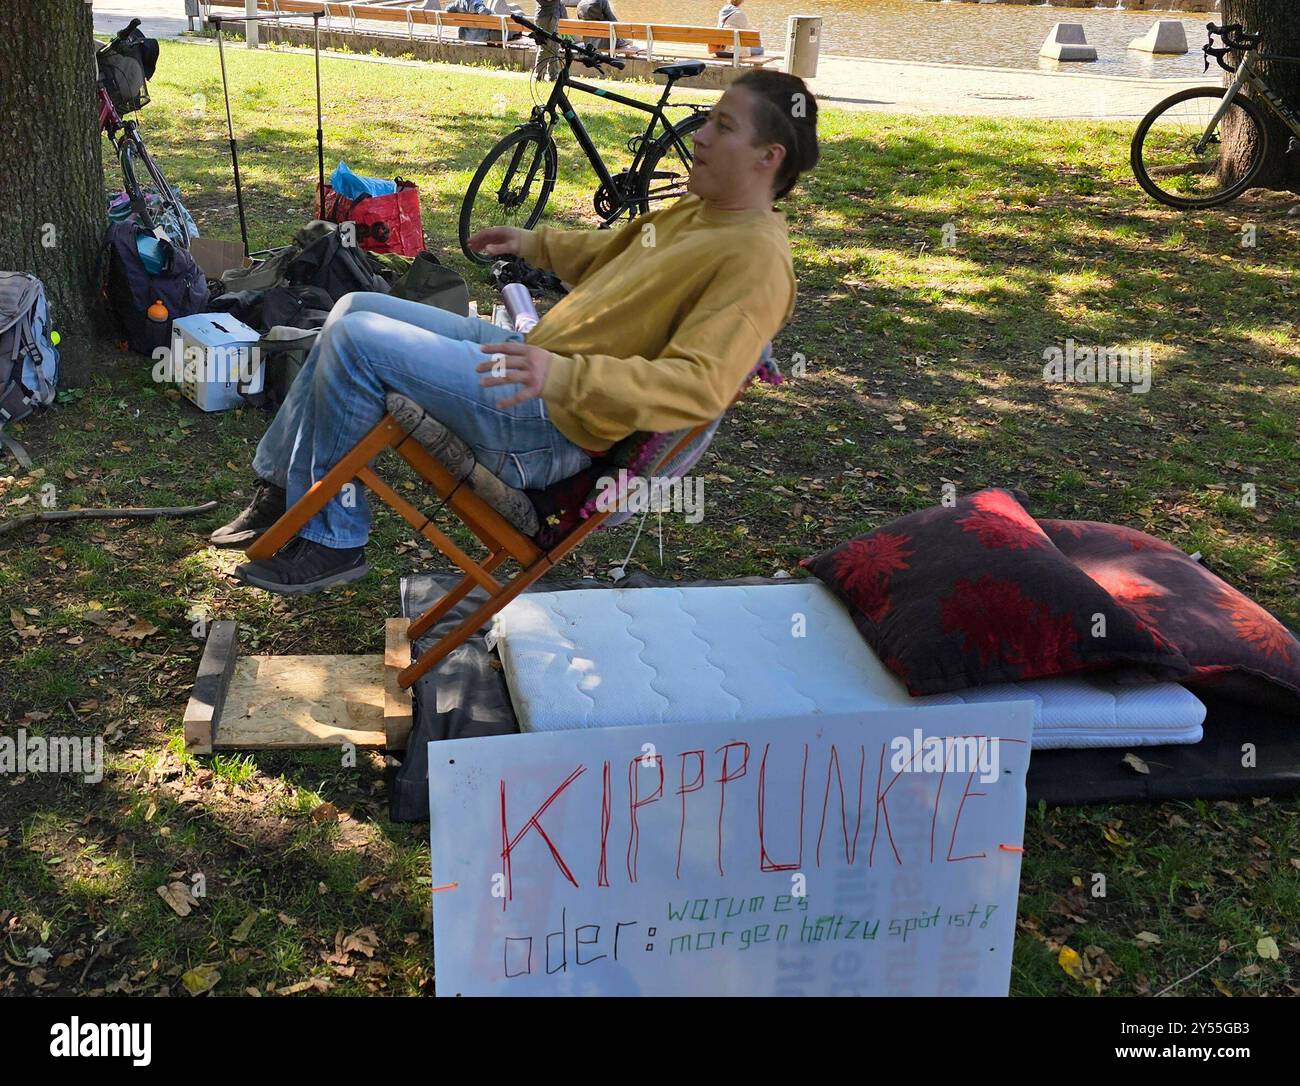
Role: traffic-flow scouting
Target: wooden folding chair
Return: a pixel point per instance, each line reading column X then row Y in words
column 506, row 521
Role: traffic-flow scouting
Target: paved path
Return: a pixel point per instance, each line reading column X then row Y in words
column 899, row 86
column 891, row 86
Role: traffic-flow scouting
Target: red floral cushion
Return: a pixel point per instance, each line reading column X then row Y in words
column 1231, row 643
column 957, row 596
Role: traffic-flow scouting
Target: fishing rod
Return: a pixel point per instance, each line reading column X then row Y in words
column 216, row 21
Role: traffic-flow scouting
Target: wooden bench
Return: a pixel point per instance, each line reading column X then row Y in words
column 656, row 36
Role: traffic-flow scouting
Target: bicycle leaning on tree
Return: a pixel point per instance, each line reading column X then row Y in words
column 1204, row 146
column 514, row 181
column 125, row 64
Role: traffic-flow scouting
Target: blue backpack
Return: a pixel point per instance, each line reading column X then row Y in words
column 29, row 362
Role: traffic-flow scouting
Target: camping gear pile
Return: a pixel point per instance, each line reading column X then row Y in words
column 287, row 294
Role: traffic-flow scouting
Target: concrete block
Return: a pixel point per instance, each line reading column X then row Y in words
column 1066, row 41
column 1165, row 36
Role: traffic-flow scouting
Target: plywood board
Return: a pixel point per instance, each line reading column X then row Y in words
column 303, row 701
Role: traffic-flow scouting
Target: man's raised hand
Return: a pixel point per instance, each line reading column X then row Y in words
column 496, row 241
column 515, row 363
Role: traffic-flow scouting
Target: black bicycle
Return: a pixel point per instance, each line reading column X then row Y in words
column 1204, row 146
column 514, row 181
column 125, row 65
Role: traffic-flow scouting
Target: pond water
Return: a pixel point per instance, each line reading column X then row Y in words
column 1002, row 35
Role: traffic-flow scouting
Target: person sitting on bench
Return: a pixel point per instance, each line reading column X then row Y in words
column 599, row 11
column 730, row 17
column 666, row 317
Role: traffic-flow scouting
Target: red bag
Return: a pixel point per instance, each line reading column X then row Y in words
column 385, row 224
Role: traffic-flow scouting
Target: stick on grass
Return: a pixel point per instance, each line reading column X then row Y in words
column 105, row 514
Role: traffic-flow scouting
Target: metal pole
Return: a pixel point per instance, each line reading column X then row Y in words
column 230, row 133
column 250, row 27
column 320, row 134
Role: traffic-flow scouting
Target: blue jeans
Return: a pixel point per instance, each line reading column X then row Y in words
column 373, row 344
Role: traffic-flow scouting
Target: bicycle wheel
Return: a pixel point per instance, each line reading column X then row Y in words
column 1177, row 163
column 667, row 165
column 132, row 154
column 511, row 186
column 127, row 156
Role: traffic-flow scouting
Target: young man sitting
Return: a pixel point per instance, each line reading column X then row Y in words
column 731, row 17
column 666, row 317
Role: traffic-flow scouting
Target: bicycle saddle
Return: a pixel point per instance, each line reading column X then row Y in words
column 684, row 70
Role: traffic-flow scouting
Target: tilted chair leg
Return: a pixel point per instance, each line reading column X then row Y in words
column 479, row 618
column 450, row 599
column 472, row 623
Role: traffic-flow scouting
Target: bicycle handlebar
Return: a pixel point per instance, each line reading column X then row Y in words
column 1236, row 39
column 585, row 52
column 122, row 35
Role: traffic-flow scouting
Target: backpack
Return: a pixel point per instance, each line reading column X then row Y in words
column 125, row 68
column 29, row 362
column 430, row 281
column 295, row 307
column 181, row 286
column 336, row 268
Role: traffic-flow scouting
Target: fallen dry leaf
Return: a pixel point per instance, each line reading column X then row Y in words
column 320, row 984
column 136, row 631
column 178, row 896
column 365, row 941
column 200, row 979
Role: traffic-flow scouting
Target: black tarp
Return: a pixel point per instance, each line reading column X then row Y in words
column 466, row 696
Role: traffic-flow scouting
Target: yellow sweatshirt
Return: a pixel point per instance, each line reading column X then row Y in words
column 662, row 325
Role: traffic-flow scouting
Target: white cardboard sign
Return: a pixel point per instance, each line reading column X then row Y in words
column 873, row 854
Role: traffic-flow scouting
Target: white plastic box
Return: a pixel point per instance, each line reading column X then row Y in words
column 211, row 354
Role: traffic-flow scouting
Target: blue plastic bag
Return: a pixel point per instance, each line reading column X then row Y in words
column 353, row 186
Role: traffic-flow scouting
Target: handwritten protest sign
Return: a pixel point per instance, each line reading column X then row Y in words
column 867, row 854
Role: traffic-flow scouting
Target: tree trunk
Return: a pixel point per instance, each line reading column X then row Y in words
column 52, row 180
column 1279, row 22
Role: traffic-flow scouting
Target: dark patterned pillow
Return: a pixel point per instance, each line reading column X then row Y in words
column 1231, row 643
column 975, row 593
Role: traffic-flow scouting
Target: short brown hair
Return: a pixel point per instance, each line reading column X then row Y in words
column 788, row 116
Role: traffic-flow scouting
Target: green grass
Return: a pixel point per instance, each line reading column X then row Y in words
column 923, row 365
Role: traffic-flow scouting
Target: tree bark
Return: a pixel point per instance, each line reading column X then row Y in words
column 52, row 179
column 1279, row 22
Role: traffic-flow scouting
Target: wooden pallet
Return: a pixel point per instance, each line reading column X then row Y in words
column 297, row 702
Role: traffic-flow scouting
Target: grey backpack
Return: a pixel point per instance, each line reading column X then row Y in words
column 29, row 362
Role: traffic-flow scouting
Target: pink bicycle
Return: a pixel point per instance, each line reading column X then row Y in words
column 125, row 64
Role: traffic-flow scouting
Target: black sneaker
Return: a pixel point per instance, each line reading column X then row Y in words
column 268, row 505
column 302, row 566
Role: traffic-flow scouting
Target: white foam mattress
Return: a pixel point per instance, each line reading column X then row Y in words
column 610, row 657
